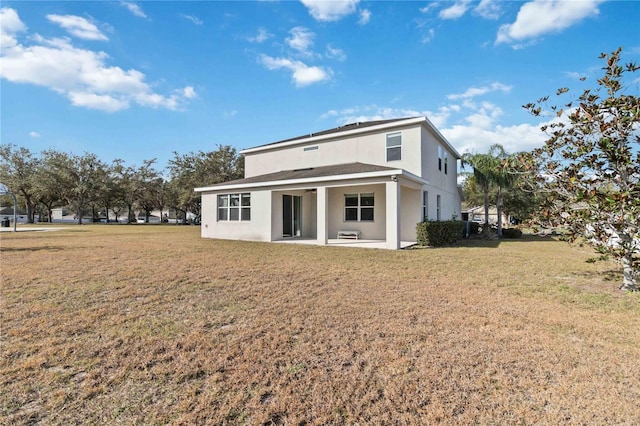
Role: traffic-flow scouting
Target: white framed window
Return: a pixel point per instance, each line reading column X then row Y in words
column 439, row 157
column 446, row 161
column 438, row 207
column 234, row 207
column 359, row 207
column 425, row 206
column 394, row 146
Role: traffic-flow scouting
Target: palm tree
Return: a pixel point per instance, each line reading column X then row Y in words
column 488, row 171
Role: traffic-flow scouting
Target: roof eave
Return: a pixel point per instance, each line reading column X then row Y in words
column 301, row 181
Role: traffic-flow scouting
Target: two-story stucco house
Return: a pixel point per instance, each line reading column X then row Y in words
column 374, row 181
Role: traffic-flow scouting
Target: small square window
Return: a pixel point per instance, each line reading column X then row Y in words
column 234, row 213
column 366, row 214
column 359, row 207
column 351, row 200
column 366, row 199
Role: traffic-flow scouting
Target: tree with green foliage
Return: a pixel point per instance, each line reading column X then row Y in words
column 517, row 203
column 78, row 177
column 192, row 170
column 590, row 166
column 18, row 172
column 489, row 172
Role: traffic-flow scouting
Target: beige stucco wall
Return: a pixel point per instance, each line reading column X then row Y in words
column 366, row 148
column 257, row 229
column 370, row 230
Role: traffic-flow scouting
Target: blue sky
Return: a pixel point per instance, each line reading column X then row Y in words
column 140, row 80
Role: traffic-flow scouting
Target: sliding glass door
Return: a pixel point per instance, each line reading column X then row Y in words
column 291, row 216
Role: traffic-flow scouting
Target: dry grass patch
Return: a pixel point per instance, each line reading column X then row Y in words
column 151, row 324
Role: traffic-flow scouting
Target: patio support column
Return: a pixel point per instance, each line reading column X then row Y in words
column 393, row 214
column 322, row 215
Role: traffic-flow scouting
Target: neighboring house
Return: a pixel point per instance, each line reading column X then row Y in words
column 7, row 213
column 376, row 180
column 476, row 214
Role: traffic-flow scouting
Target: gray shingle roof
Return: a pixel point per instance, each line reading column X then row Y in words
column 310, row 172
column 346, row 127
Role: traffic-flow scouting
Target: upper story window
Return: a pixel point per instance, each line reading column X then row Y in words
column 394, row 146
column 446, row 161
column 439, row 157
column 234, row 207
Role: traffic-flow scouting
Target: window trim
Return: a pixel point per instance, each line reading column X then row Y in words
column 438, row 207
column 439, row 157
column 425, row 206
column 359, row 206
column 240, row 209
column 398, row 146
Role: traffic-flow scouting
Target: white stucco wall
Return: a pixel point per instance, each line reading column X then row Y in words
column 365, row 148
column 410, row 212
column 445, row 185
column 309, row 206
column 257, row 229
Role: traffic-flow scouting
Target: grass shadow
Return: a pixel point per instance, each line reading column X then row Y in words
column 31, row 249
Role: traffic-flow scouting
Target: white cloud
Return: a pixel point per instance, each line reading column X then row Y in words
column 485, row 115
column 188, row 92
column 515, row 138
column 229, row 114
column 458, row 9
column 262, row 36
column 96, row 101
column 477, row 91
column 365, row 17
column 194, row 19
column 34, row 134
column 134, row 8
column 335, row 53
column 574, row 75
column 78, row 26
column 428, row 36
column 488, row 9
column 302, row 74
column 327, row 11
column 429, row 7
column 82, row 75
column 301, row 40
column 475, row 132
column 375, row 112
column 540, row 17
column 11, row 25
column 370, row 113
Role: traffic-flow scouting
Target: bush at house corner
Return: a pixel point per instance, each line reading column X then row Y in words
column 441, row 233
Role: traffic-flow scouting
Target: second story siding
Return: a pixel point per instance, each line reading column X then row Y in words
column 380, row 147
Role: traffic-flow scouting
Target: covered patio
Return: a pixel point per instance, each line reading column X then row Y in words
column 344, row 242
column 322, row 205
